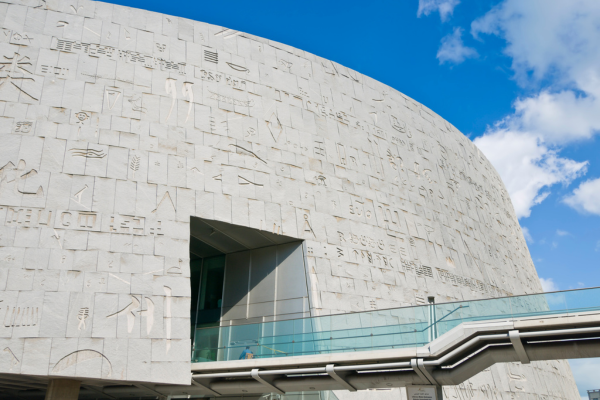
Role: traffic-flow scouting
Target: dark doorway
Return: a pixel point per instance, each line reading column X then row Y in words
column 242, row 275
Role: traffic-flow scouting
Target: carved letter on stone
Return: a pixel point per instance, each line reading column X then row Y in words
column 187, row 91
column 82, row 316
column 149, row 314
column 274, row 126
column 129, row 311
column 172, row 90
column 79, row 356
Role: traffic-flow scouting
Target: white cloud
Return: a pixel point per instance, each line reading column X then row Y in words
column 560, row 41
column 586, row 198
column 548, row 285
column 559, row 117
column 527, row 235
column 561, row 44
column 527, row 167
column 453, row 50
column 555, row 48
column 560, row 232
column 444, row 7
column 585, row 372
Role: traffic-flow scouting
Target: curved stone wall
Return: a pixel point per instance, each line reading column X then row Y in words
column 119, row 124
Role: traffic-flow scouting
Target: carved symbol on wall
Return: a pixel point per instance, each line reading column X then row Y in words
column 175, row 269
column 244, row 181
column 342, row 153
column 134, row 165
column 382, row 98
column 373, row 116
column 166, row 200
column 112, row 95
column 248, row 151
column 21, row 316
column 78, row 195
column 307, row 227
column 58, row 71
column 129, row 312
column 230, row 100
column 211, row 56
column 238, row 67
column 136, row 103
column 81, row 117
column 161, row 47
column 14, row 360
column 81, row 356
column 15, row 175
column 16, row 68
column 186, row 91
column 23, row 127
column 149, row 314
column 62, row 24
column 57, row 238
column 286, row 64
column 87, row 153
column 321, row 180
column 172, row 90
column 319, row 149
column 398, row 125
column 76, row 10
column 82, row 315
column 218, row 177
column 274, row 126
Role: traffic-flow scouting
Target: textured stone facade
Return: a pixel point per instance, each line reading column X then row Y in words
column 118, row 124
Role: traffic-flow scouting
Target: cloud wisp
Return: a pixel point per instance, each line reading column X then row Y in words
column 453, row 50
column 444, row 7
column 586, row 198
column 548, row 285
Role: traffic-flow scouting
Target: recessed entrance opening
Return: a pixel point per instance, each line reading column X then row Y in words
column 242, row 275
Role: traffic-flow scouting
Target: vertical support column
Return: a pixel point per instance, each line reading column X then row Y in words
column 439, row 390
column 63, row 389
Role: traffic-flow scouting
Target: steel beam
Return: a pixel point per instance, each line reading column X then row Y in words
column 268, row 382
column 339, row 377
column 515, row 339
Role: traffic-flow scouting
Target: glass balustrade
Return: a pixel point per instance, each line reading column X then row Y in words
column 377, row 330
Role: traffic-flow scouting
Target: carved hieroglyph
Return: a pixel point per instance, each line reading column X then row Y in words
column 118, row 124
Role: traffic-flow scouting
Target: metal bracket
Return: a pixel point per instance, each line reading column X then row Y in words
column 515, row 339
column 426, row 372
column 268, row 383
column 418, row 366
column 205, row 387
column 339, row 377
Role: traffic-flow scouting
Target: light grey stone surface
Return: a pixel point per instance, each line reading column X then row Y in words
column 119, row 124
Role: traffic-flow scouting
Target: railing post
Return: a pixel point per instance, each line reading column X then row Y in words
column 432, row 319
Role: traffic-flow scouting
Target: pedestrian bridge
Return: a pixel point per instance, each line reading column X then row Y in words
column 436, row 344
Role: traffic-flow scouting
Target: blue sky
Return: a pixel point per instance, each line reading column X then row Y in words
column 521, row 78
